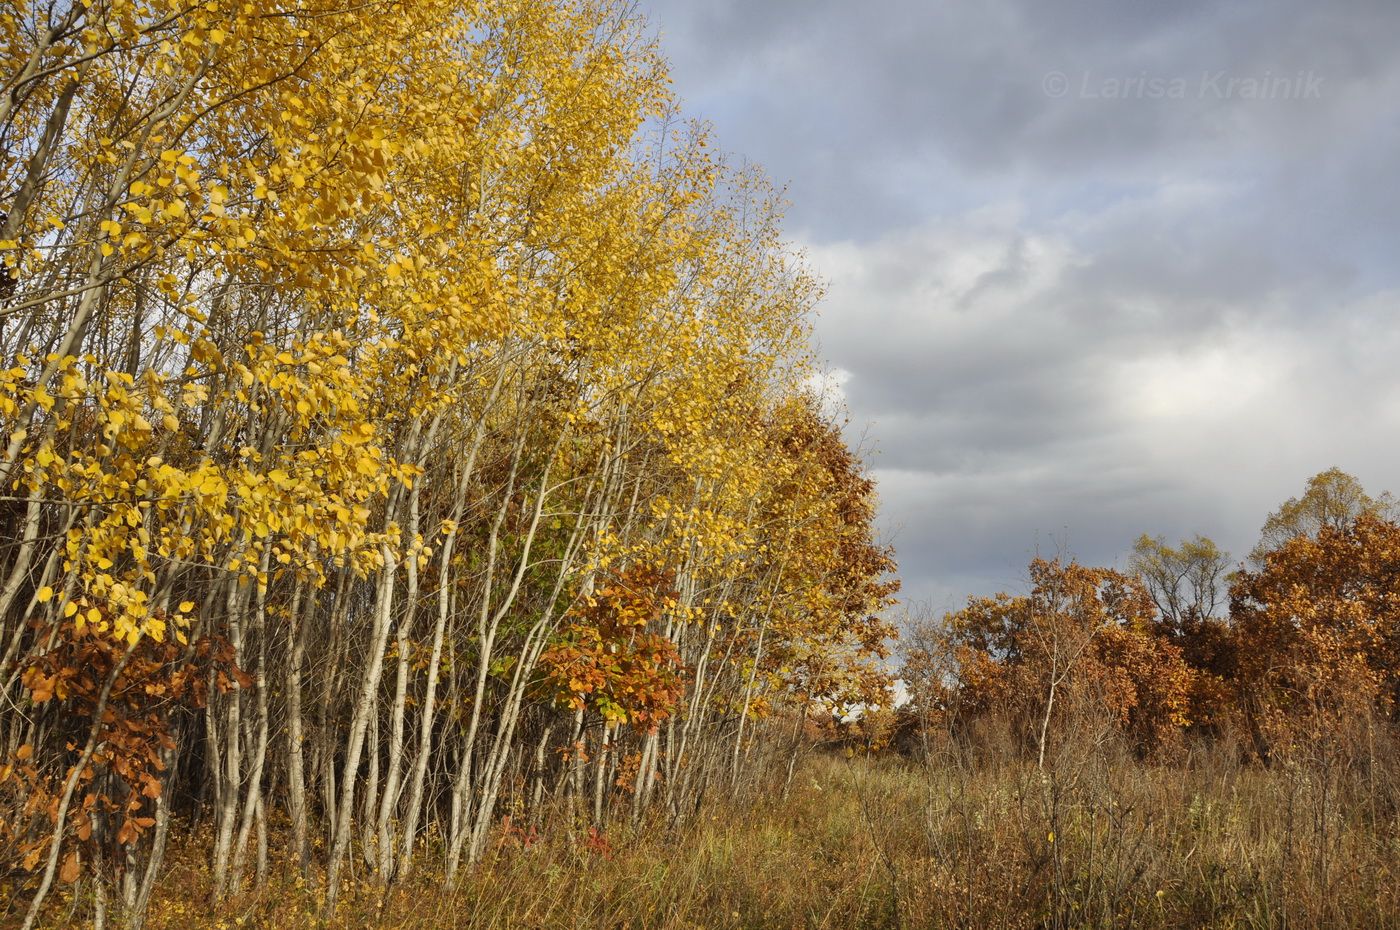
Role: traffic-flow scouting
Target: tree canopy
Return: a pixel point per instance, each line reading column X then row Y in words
column 403, row 422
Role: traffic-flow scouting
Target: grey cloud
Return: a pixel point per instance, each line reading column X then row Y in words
column 1071, row 319
column 832, row 93
column 1045, row 405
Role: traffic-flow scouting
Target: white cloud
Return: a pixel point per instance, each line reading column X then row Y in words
column 829, row 387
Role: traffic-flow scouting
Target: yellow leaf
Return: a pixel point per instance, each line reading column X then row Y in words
column 45, row 594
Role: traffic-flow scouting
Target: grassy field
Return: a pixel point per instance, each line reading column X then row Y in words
column 885, row 843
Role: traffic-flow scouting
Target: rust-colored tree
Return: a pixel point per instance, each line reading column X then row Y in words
column 1082, row 642
column 1319, row 632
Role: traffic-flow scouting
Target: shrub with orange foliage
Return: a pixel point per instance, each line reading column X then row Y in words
column 608, row 659
column 107, row 709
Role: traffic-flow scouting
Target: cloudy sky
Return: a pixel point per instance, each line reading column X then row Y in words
column 1096, row 267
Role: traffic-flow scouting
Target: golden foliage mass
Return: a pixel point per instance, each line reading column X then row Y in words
column 392, row 392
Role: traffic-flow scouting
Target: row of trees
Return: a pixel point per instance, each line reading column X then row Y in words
column 1293, row 655
column 402, row 422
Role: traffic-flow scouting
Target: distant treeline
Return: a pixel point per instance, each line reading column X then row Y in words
column 1292, row 656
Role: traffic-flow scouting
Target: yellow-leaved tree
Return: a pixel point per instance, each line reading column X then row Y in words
column 403, row 420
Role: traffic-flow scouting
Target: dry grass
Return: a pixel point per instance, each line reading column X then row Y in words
column 1096, row 841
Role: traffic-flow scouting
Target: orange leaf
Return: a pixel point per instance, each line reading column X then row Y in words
column 68, row 873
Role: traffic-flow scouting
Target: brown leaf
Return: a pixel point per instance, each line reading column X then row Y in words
column 68, row 872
